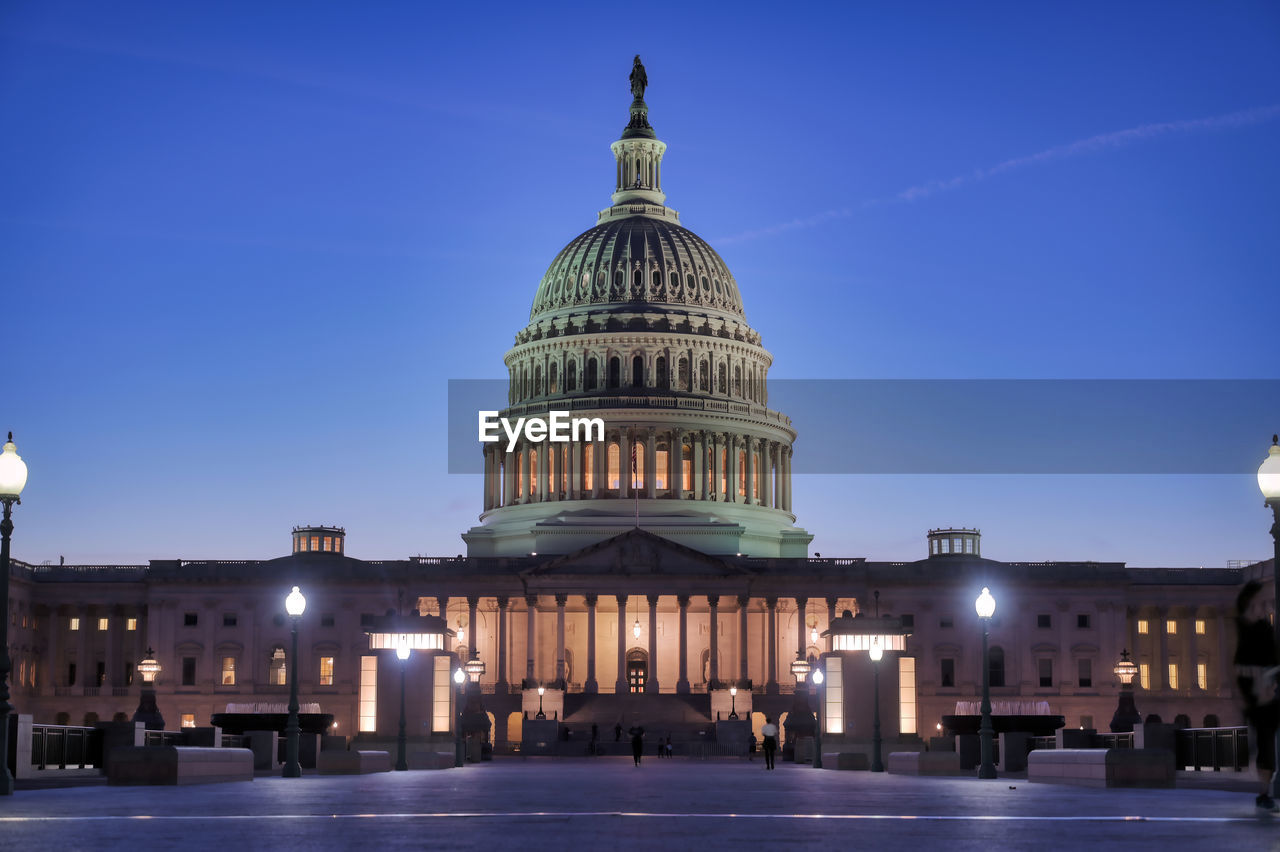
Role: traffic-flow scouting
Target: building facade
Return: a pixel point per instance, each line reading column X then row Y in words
column 639, row 578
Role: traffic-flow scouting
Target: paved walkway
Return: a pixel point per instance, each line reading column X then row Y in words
column 681, row 804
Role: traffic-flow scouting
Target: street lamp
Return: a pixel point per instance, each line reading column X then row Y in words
column 876, row 653
column 148, row 713
column 1126, row 715
column 460, row 678
column 542, row 690
column 733, row 702
column 402, row 653
column 13, row 477
column 1268, row 483
column 294, row 604
column 986, row 607
column 817, row 678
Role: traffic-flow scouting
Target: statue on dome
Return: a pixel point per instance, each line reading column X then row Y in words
column 639, row 79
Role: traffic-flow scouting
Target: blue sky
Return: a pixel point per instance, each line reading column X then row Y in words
column 245, row 246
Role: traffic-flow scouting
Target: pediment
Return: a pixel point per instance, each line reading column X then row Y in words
column 637, row 552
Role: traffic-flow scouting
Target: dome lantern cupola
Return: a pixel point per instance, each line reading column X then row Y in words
column 638, row 155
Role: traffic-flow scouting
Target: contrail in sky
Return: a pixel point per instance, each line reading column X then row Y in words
column 1101, row 142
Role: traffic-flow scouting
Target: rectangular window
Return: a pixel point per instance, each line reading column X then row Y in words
column 190, row 619
column 315, row 543
column 946, row 623
column 908, row 620
column 102, row 624
column 1084, row 672
column 1142, row 626
column 834, row 711
column 71, row 674
column 368, row 693
column 1046, row 672
column 660, row 470
column 907, row 695
column 1202, row 675
column 326, row 619
column 1044, row 621
column 229, row 619
column 75, row 624
column 326, row 671
column 228, row 671
column 100, row 677
column 1173, row 675
column 1200, row 627
column 686, row 469
column 1171, row 627
column 1082, row 621
column 948, row 672
column 1144, row 675
column 128, row 672
column 588, row 466
column 188, row 720
column 441, row 693
column 328, row 543
column 131, row 624
column 188, row 671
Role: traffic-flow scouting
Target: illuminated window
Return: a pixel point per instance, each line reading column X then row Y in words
column 1171, row 627
column 533, row 472
column 102, row 624
column 328, row 543
column 907, row 695
column 75, row 624
column 337, row 544
column 1084, row 672
column 1202, row 675
column 588, row 466
column 441, row 693
column 614, row 480
column 742, row 473
column 368, row 693
column 277, row 674
column 637, row 475
column 662, row 465
column 686, row 468
column 228, row 671
column 1142, row 626
column 315, row 542
column 1173, row 675
column 1200, row 627
column 1144, row 675
column 188, row 720
column 724, row 471
column 834, row 711
column 131, row 624
column 326, row 671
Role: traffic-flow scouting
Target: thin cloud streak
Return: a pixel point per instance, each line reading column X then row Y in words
column 1101, row 142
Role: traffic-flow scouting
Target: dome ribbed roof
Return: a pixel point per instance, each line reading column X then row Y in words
column 637, row 259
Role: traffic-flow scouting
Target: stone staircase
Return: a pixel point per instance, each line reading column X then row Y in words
column 685, row 718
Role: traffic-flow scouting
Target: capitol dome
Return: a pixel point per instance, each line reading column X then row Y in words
column 639, row 323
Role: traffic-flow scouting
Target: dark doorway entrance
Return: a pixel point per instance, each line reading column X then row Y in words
column 637, row 670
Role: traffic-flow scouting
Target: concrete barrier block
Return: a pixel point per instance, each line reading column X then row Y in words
column 179, row 765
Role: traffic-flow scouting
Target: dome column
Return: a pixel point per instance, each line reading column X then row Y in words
column 676, row 457
column 540, row 496
column 750, row 456
column 731, row 467
column 766, row 474
column 651, row 464
column 625, row 473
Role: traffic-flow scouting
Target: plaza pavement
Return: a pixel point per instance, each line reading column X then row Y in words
column 582, row 804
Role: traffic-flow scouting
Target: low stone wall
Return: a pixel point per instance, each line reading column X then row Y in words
column 924, row 763
column 179, row 765
column 855, row 760
column 1101, row 767
column 353, row 762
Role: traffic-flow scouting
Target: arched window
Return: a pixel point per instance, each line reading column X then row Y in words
column 682, row 373
column 637, row 281
column 686, row 460
column 571, row 377
column 588, row 467
column 704, row 376
column 277, row 673
column 742, row 473
column 614, row 480
column 722, row 379
column 637, row 475
column 592, row 375
column 661, row 464
column 533, row 471
column 537, row 380
column 660, row 372
column 637, row 372
column 615, row 372
column 519, row 473
column 552, row 380
column 996, row 668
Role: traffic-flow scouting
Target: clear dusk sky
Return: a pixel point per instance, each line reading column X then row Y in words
column 244, row 246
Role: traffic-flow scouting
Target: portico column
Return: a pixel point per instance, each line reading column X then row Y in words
column 713, row 465
column 555, row 470
column 561, row 600
column 488, row 479
column 531, row 642
column 713, row 627
column 651, row 682
column 831, row 616
column 771, row 686
column 766, row 474
column 1160, row 677
column 682, row 683
column 675, row 479
column 1225, row 669
column 502, row 645
column 801, row 604
column 744, row 672
column 544, row 464
column 599, row 456
column 52, row 631
column 621, row 686
column 590, row 685
column 110, row 661
column 575, row 471
column 472, row 602
column 702, row 462
column 508, row 478
column 82, row 649
column 786, row 478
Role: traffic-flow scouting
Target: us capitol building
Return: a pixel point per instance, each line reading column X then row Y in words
column 655, row 577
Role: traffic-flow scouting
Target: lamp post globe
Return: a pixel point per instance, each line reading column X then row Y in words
column 986, row 607
column 294, row 604
column 733, row 702
column 876, row 653
column 1126, row 715
column 1269, row 485
column 542, row 690
column 13, row 478
column 148, row 713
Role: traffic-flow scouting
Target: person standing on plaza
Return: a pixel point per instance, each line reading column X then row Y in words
column 1256, row 670
column 770, row 733
column 751, row 747
column 637, row 743
column 617, row 732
